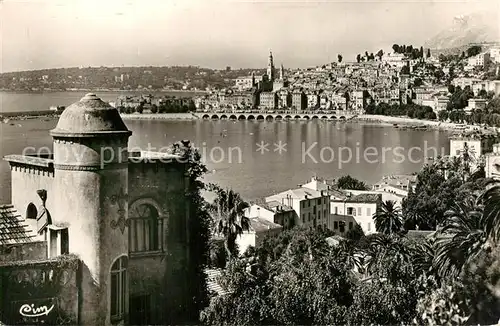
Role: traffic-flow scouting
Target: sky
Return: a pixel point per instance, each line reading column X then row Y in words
column 39, row 34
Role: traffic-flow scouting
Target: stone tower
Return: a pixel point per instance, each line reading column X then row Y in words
column 91, row 184
column 282, row 73
column 270, row 67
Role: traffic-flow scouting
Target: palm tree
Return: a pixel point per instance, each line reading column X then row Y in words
column 229, row 219
column 460, row 239
column 388, row 218
column 491, row 214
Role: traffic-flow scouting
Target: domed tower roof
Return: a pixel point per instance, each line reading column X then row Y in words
column 90, row 117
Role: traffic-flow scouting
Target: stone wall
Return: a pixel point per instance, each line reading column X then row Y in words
column 40, row 292
column 161, row 274
column 23, row 251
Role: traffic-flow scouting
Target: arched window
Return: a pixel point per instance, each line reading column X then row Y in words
column 118, row 288
column 146, row 227
column 31, row 211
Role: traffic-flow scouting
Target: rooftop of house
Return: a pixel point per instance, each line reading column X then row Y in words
column 397, row 179
column 360, row 198
column 276, row 205
column 13, row 229
column 259, row 225
column 298, row 193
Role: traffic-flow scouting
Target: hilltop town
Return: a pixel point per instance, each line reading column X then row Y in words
column 404, row 81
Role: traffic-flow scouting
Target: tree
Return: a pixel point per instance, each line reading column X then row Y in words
column 421, row 53
column 339, row 57
column 358, row 58
column 380, row 53
column 230, row 222
column 428, row 53
column 388, row 218
column 348, row 182
column 395, row 48
column 491, row 215
column 473, row 50
column 460, row 239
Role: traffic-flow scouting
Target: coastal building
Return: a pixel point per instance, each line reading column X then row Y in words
column 268, row 100
column 481, row 60
column 260, row 228
column 274, row 212
column 471, row 146
column 312, row 100
column 311, row 207
column 299, row 100
column 358, row 208
column 440, row 103
column 94, row 233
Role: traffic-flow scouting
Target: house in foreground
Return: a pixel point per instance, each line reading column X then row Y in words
column 95, row 234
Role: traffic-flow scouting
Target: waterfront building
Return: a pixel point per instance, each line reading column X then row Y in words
column 312, row 100
column 475, row 104
column 284, row 98
column 473, row 146
column 440, row 103
column 311, row 207
column 96, row 233
column 268, row 100
column 299, row 100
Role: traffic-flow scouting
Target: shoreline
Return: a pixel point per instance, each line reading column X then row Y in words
column 377, row 119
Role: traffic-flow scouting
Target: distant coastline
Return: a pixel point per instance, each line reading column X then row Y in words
column 379, row 119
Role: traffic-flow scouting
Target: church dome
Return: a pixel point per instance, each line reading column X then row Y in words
column 89, row 117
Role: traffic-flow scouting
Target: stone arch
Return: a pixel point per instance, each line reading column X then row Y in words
column 269, row 118
column 31, row 211
column 324, row 117
column 315, row 117
column 333, row 117
column 242, row 117
column 342, row 118
column 297, row 117
column 146, row 201
column 232, row 117
column 206, row 117
column 215, row 117
column 251, row 117
column 306, row 117
column 223, row 117
column 288, row 117
column 279, row 117
column 260, row 117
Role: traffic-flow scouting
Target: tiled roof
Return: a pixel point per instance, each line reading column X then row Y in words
column 259, row 224
column 365, row 198
column 12, row 228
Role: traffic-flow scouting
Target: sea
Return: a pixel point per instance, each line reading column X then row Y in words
column 254, row 158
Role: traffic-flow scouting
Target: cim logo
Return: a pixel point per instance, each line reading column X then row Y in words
column 32, row 311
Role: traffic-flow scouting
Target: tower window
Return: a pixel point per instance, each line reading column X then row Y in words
column 146, row 228
column 31, row 211
column 57, row 241
column 118, row 288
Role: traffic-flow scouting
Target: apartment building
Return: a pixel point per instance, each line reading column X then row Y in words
column 352, row 209
column 311, row 207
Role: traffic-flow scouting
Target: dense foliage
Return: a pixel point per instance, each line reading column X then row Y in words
column 348, row 182
column 409, row 110
column 307, row 276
